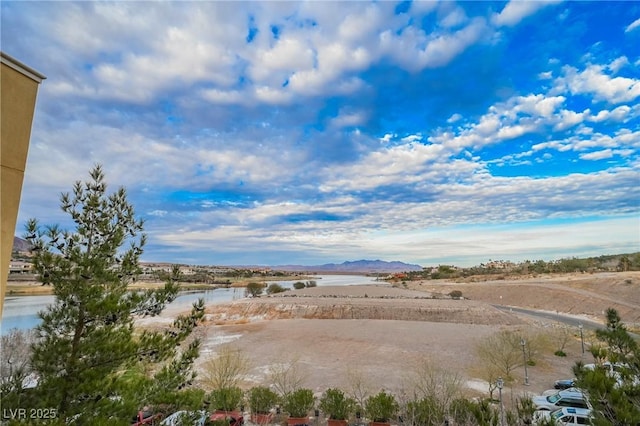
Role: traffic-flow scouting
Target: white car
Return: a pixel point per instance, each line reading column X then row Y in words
column 565, row 416
column 571, row 397
column 184, row 418
column 620, row 372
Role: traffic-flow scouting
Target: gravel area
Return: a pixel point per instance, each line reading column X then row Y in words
column 394, row 328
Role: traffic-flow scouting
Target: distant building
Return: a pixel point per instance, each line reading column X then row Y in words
column 20, row 267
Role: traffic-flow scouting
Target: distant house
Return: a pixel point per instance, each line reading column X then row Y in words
column 20, row 267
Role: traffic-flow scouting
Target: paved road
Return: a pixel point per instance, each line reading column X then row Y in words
column 569, row 320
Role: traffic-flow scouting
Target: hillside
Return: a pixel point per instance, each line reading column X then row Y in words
column 358, row 266
column 20, row 245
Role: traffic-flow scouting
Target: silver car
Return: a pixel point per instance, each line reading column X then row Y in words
column 571, row 397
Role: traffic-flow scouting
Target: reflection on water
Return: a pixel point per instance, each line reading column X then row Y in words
column 22, row 311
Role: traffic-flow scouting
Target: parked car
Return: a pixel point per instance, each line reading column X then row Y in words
column 146, row 417
column 564, row 384
column 202, row 418
column 622, row 373
column 571, row 397
column 568, row 416
column 183, row 417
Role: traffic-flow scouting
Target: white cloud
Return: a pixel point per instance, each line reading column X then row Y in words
column 632, row 26
column 618, row 114
column 516, row 10
column 454, row 18
column 386, row 138
column 539, row 105
column 454, row 118
column 414, row 50
column 217, row 96
column 597, row 155
column 272, row 96
column 547, row 75
column 569, row 119
column 288, row 54
column 594, row 81
column 348, row 119
column 423, row 7
column 618, row 63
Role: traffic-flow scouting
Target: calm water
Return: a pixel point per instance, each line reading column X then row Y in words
column 21, row 311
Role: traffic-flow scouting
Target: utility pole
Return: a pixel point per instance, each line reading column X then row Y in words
column 524, row 357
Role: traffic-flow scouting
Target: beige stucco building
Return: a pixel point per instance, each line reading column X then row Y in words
column 18, row 90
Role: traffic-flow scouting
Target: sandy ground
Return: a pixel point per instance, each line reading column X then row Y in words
column 379, row 332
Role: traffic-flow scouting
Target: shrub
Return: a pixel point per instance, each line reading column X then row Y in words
column 338, row 406
column 227, row 399
column 299, row 402
column 262, row 399
column 425, row 411
column 298, row 285
column 255, row 289
column 275, row 288
column 381, row 407
column 456, row 294
column 560, row 353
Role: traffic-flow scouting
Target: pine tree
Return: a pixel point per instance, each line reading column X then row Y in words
column 92, row 362
column 615, row 396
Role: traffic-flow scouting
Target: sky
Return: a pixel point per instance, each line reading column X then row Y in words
column 271, row 133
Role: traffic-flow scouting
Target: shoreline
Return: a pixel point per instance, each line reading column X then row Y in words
column 36, row 288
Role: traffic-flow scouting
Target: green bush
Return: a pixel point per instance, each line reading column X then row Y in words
column 227, row 399
column 381, row 407
column 425, row 412
column 262, row 399
column 255, row 289
column 298, row 285
column 275, row 288
column 336, row 404
column 299, row 402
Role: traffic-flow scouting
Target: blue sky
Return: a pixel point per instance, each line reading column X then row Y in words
column 288, row 132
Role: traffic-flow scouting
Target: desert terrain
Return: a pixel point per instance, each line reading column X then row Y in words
column 377, row 333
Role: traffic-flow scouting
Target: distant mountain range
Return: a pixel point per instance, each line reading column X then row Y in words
column 362, row 266
column 358, row 266
column 20, row 245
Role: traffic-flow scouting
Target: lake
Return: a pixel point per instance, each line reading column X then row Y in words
column 21, row 311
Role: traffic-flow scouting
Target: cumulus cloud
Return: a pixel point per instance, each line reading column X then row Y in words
column 617, row 114
column 593, row 80
column 283, row 127
column 414, row 49
column 618, row 63
column 597, row 155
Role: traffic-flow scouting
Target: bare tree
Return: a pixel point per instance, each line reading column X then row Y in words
column 358, row 387
column 15, row 355
column 436, row 384
column 226, row 369
column 535, row 342
column 489, row 373
column 560, row 337
column 502, row 350
column 287, row 376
